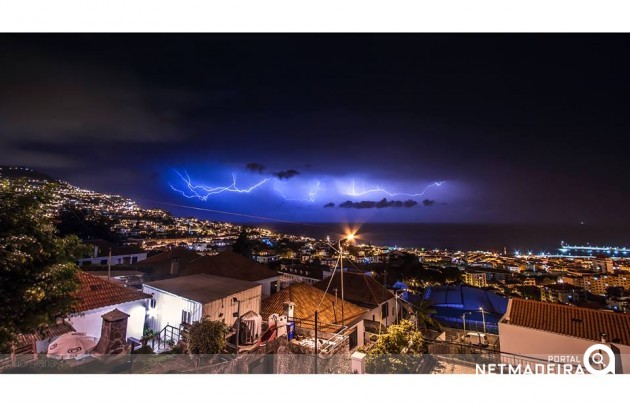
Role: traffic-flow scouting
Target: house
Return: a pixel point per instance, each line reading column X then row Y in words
column 543, row 330
column 170, row 263
column 126, row 278
column 302, row 273
column 563, row 293
column 475, row 278
column 307, row 299
column 365, row 292
column 184, row 300
column 97, row 296
column 232, row 265
column 103, row 250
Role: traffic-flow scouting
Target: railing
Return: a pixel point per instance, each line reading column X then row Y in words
column 166, row 338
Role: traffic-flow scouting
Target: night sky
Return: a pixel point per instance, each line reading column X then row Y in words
column 445, row 128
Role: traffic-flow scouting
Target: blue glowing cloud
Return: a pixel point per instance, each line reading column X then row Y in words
column 306, row 191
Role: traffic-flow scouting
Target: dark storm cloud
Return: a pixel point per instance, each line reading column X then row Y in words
column 281, row 175
column 501, row 117
column 255, row 167
column 383, row 203
column 288, row 174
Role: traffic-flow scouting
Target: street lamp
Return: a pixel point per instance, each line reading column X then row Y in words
column 339, row 249
column 483, row 318
column 238, row 320
column 349, row 237
column 464, row 320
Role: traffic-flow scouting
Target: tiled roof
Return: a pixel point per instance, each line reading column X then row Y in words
column 184, row 255
column 48, row 332
column 231, row 265
column 95, row 292
column 203, row 288
column 569, row 320
column 358, row 288
column 307, row 299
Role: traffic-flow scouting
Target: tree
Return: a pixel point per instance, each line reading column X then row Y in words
column 86, row 224
column 422, row 316
column 207, row 337
column 396, row 351
column 244, row 245
column 37, row 270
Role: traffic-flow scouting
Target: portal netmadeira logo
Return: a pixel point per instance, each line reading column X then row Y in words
column 598, row 359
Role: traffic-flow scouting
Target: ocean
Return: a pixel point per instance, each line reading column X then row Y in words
column 493, row 237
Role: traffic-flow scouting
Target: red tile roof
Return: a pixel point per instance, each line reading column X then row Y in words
column 569, row 320
column 95, row 292
column 359, row 288
column 307, row 299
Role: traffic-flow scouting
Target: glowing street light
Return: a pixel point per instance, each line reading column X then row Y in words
column 483, row 318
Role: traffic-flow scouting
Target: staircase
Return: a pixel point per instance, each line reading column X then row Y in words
column 166, row 339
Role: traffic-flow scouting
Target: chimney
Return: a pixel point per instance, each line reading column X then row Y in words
column 289, row 310
column 113, row 333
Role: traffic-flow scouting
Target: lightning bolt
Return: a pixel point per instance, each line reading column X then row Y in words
column 353, row 191
column 312, row 193
column 202, row 192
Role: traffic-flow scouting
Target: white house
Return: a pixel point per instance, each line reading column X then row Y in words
column 187, row 299
column 232, row 265
column 105, row 253
column 97, row 296
column 537, row 330
column 364, row 291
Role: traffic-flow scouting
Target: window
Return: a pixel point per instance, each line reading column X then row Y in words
column 186, row 317
column 384, row 310
column 274, row 287
column 104, row 262
column 152, row 303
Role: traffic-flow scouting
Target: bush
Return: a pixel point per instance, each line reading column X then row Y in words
column 207, row 337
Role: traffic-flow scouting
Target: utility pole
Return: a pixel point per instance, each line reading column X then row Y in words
column 316, row 353
column 109, row 265
column 343, row 316
column 238, row 321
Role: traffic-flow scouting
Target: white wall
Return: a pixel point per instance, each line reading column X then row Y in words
column 116, row 260
column 542, row 344
column 224, row 309
column 266, row 285
column 375, row 313
column 168, row 309
column 91, row 321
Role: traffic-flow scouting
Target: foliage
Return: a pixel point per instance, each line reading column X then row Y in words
column 422, row 316
column 243, row 244
column 145, row 350
column 207, row 337
column 38, row 272
column 86, row 224
column 397, row 350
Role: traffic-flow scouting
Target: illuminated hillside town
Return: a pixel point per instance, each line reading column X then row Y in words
column 314, row 204
column 150, row 276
